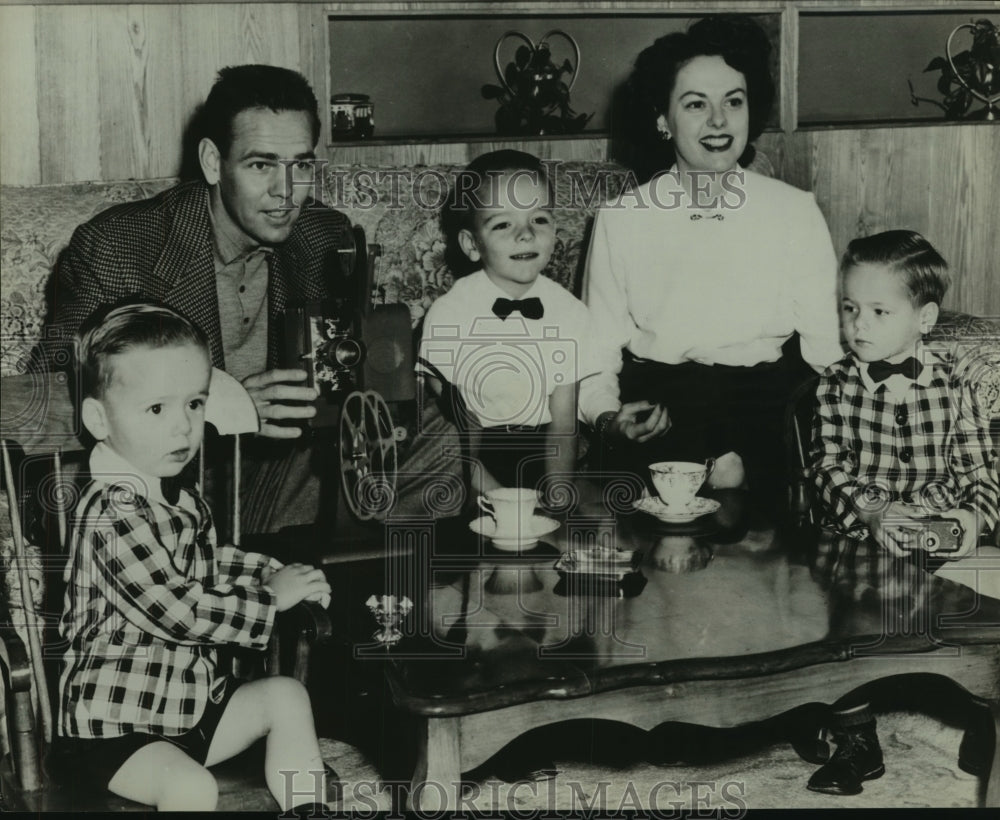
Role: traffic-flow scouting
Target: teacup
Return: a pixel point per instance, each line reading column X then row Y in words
column 511, row 508
column 677, row 482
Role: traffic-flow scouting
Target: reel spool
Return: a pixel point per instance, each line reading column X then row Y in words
column 367, row 455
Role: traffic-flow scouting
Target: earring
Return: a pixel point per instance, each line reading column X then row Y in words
column 665, row 135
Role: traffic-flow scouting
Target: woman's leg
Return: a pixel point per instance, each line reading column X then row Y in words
column 755, row 399
column 279, row 709
column 162, row 775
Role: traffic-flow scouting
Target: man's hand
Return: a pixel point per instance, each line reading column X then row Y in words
column 270, row 390
column 639, row 421
column 298, row 582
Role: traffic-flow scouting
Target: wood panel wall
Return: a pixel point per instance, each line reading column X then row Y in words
column 938, row 180
column 103, row 92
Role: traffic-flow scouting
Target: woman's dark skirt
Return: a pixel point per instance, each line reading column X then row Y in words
column 715, row 409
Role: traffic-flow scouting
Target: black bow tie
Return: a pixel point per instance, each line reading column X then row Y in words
column 880, row 371
column 530, row 308
column 170, row 487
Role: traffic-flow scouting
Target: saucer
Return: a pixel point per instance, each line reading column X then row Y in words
column 538, row 526
column 677, row 515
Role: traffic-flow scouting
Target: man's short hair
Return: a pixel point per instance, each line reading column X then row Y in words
column 242, row 87
column 923, row 269
column 118, row 328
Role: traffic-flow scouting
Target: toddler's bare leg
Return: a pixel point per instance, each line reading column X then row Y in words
column 161, row 775
column 279, row 709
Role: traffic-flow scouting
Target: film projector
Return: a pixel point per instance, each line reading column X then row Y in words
column 358, row 353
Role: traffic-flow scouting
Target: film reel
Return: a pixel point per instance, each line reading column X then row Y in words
column 368, row 459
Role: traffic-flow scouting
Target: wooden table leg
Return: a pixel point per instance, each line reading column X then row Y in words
column 436, row 781
column 993, row 778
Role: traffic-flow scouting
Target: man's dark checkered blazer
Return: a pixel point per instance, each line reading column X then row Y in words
column 161, row 248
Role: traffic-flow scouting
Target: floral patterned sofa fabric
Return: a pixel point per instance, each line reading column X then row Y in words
column 36, row 223
column 398, row 207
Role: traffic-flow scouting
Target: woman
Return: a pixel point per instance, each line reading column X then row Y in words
column 698, row 278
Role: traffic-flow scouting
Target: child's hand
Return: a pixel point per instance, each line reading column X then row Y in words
column 969, row 522
column 298, row 582
column 321, row 598
column 887, row 527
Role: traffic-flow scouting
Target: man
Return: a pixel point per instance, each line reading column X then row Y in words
column 231, row 252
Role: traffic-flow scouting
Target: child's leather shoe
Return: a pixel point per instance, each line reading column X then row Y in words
column 975, row 751
column 858, row 758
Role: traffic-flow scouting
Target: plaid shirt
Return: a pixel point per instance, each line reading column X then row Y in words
column 929, row 446
column 148, row 594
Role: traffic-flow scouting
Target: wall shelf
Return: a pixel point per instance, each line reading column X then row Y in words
column 793, row 27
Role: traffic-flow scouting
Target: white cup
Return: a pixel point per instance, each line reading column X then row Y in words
column 510, row 507
column 677, row 482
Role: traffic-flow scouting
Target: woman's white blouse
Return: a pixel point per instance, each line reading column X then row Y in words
column 722, row 285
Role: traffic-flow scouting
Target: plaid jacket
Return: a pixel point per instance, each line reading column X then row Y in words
column 148, row 595
column 933, row 448
column 161, row 248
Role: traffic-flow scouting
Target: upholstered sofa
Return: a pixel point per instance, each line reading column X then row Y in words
column 398, row 208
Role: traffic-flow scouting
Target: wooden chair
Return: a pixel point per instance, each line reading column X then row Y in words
column 799, row 412
column 39, row 469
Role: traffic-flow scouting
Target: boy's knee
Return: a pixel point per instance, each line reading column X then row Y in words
column 205, row 790
column 284, row 694
column 194, row 790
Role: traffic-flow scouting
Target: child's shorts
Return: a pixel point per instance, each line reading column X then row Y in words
column 87, row 761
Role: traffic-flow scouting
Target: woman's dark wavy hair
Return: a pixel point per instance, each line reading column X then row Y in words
column 738, row 39
column 465, row 198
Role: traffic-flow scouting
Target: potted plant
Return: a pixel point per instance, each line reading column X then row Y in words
column 534, row 91
column 973, row 74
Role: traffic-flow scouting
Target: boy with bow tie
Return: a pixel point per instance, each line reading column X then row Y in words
column 507, row 345
column 898, row 437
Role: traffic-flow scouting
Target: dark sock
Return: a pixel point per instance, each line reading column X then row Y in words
column 307, row 810
column 853, row 716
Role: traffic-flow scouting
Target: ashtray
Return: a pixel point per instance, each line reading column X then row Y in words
column 607, row 563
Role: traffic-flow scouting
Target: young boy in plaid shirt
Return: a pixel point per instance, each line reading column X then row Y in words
column 898, row 437
column 150, row 594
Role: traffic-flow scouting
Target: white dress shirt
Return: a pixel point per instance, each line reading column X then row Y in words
column 505, row 370
column 725, row 285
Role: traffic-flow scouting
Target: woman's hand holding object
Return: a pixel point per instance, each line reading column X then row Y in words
column 639, row 421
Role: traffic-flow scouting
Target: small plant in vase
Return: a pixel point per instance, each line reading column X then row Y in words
column 534, row 91
column 389, row 612
column 973, row 74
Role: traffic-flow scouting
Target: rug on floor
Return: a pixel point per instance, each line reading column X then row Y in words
column 921, row 755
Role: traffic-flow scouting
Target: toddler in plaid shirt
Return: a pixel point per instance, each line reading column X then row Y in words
column 898, row 436
column 149, row 594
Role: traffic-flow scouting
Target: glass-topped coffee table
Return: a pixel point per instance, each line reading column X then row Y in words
column 716, row 626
